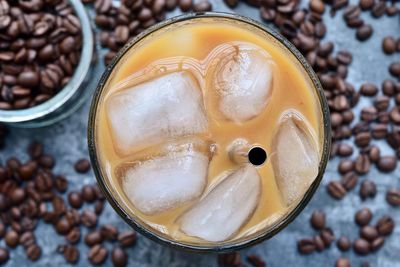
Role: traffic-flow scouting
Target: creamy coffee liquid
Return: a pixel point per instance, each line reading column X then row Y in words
column 178, row 115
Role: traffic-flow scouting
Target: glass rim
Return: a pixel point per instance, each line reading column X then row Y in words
column 60, row 98
column 263, row 235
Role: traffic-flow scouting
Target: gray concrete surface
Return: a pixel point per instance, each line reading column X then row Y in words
column 67, row 140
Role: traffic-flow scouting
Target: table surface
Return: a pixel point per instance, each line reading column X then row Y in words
column 67, row 141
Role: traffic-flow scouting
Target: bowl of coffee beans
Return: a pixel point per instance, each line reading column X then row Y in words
column 46, row 49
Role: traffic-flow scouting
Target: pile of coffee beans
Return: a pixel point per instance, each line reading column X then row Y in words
column 31, row 192
column 40, row 46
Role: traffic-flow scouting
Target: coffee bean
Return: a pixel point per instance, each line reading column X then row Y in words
column 366, row 4
column 364, row 32
column 70, row 253
column 379, row 131
column 346, row 166
column 368, row 89
column 363, row 216
column 394, row 69
column 202, row 6
column 63, row 226
column 89, row 218
column 33, row 252
column 109, row 232
column 385, row 225
column 127, row 238
column 367, row 189
column 185, row 5
column 319, row 243
column 88, row 193
column 336, row 190
column 327, row 236
column 231, row 3
column 342, row 262
column 318, row 220
column 93, row 238
column 97, row 254
column 119, row 257
column 74, row 235
column 362, row 139
column 389, row 45
column 61, row 184
column 75, row 200
column 46, row 161
column 317, row 6
column 377, row 243
column 82, row 166
column 11, row 239
column 374, row 153
column 393, row 196
column 17, row 196
column 387, row 163
column 345, row 150
column 4, row 255
column 378, row 9
column 361, row 246
column 349, row 180
column 368, row 233
column 306, row 246
column 362, row 164
column 343, row 243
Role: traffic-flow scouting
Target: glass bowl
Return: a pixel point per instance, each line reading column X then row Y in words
column 69, row 98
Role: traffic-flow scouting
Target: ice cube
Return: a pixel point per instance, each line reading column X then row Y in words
column 165, row 182
column 295, row 157
column 226, row 208
column 243, row 79
column 152, row 112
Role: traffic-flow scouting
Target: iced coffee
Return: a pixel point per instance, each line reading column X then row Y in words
column 208, row 131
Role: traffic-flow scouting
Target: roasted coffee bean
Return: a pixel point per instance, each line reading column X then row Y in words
column 127, row 238
column 327, row 236
column 387, row 163
column 93, row 238
column 343, row 243
column 109, row 232
column 394, row 69
column 89, row 218
column 378, row 9
column 202, row 6
column 185, row 5
column 388, row 87
column 75, row 199
column 366, row 4
column 346, row 166
column 70, row 253
column 319, row 243
column 4, row 255
column 82, row 166
column 364, row 32
column 368, row 89
column 393, row 196
column 349, row 180
column 33, row 252
column 46, row 161
column 74, row 235
column 97, row 254
column 379, row 131
column 385, row 225
column 229, row 259
column 362, row 139
column 369, row 233
column 342, row 262
column 88, row 194
column 363, row 216
column 306, row 246
column 367, row 189
column 374, row 153
column 318, row 220
column 336, row 190
column 61, row 184
column 231, row 3
column 63, row 226
column 27, row 239
column 377, row 243
column 345, row 150
column 99, row 207
column 118, row 257
column 362, row 164
column 11, row 238
column 361, row 246
column 389, row 45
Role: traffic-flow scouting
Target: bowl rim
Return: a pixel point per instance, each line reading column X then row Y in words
column 209, row 248
column 60, row 98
